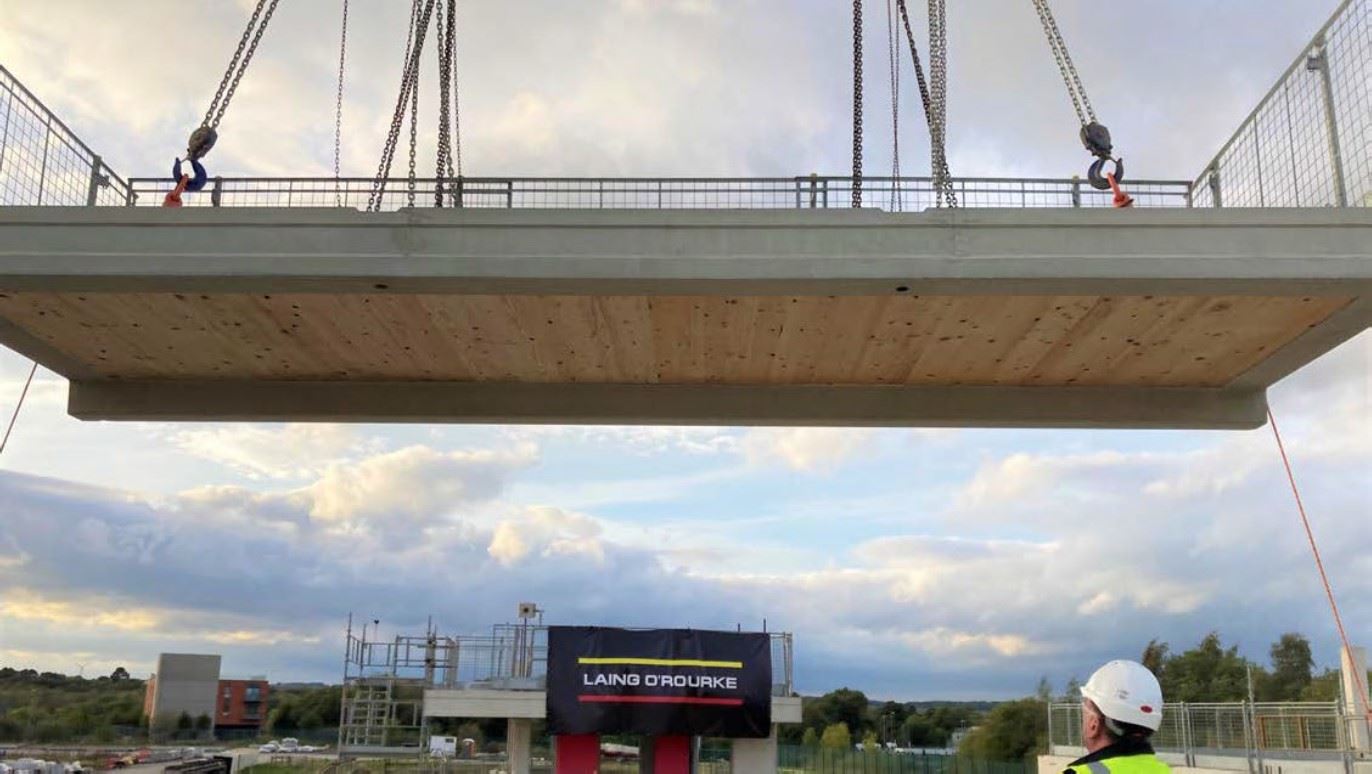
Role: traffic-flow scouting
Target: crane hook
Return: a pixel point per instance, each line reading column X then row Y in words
column 193, row 183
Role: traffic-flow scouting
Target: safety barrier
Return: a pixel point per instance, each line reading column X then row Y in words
column 1247, row 730
column 44, row 162
column 801, row 192
column 1308, row 143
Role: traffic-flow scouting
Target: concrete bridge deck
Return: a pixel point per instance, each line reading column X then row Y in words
column 1067, row 318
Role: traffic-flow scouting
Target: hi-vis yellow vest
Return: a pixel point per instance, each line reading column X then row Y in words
column 1124, row 764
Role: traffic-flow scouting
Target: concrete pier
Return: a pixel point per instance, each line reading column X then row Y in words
column 1028, row 318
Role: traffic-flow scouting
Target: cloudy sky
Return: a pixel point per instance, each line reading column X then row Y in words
column 911, row 564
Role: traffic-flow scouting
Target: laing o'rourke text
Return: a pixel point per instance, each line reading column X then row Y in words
column 655, row 680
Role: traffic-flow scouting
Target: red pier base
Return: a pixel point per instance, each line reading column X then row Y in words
column 576, row 754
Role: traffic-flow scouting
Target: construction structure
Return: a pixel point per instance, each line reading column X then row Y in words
column 393, row 689
column 703, row 301
column 1099, row 318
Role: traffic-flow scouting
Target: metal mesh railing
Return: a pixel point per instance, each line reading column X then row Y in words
column 44, row 162
column 804, row 192
column 1308, row 143
column 1238, row 729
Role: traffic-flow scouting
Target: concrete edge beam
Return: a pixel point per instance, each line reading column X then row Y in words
column 523, row 403
column 1211, row 252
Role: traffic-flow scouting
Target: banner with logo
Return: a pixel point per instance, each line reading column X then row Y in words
column 659, row 682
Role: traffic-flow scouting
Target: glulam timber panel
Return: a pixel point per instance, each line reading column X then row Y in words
column 1021, row 318
column 1173, row 341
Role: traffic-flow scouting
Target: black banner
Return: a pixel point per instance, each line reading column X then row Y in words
column 659, row 682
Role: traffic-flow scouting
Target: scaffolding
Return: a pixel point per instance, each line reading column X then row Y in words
column 384, row 681
column 382, row 708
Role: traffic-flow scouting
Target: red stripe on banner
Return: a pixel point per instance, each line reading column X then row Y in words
column 613, row 699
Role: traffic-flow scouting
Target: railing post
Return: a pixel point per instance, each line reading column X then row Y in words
column 1214, row 182
column 43, row 170
column 1076, row 190
column 93, row 190
column 216, row 191
column 1319, row 62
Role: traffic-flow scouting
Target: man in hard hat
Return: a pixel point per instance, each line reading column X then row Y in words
column 1121, row 707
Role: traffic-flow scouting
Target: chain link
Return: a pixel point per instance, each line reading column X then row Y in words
column 414, row 98
column 1085, row 113
column 445, row 28
column 938, row 94
column 409, row 79
column 891, row 54
column 229, row 85
column 857, row 103
column 944, row 193
column 457, row 105
column 338, row 112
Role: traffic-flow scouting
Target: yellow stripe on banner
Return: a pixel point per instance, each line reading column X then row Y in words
column 667, row 662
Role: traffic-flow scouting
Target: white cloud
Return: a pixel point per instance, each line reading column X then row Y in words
column 643, row 440
column 290, row 451
column 415, row 484
column 550, row 532
column 942, row 641
column 808, row 449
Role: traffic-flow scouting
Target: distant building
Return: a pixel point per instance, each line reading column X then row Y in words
column 184, row 682
column 189, row 683
column 242, row 704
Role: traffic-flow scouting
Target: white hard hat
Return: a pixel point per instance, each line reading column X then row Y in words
column 1125, row 691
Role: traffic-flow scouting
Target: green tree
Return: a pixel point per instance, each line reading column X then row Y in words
column 184, row 722
column 1072, row 691
column 1010, row 732
column 119, row 673
column 809, row 738
column 1207, row 672
column 842, row 706
column 837, row 737
column 1155, row 657
column 1292, row 667
column 202, row 723
column 919, row 731
column 1044, row 692
column 869, row 742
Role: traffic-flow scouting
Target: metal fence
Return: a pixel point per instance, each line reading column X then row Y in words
column 44, row 162
column 799, row 758
column 1308, row 143
column 801, row 192
column 1238, row 729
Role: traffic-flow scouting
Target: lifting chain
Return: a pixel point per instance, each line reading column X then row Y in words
column 945, row 195
column 857, row 103
column 446, row 28
column 894, row 61
column 1093, row 134
column 457, row 105
column 338, row 112
column 408, row 82
column 417, row 37
column 1085, row 113
column 204, row 137
column 938, row 97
